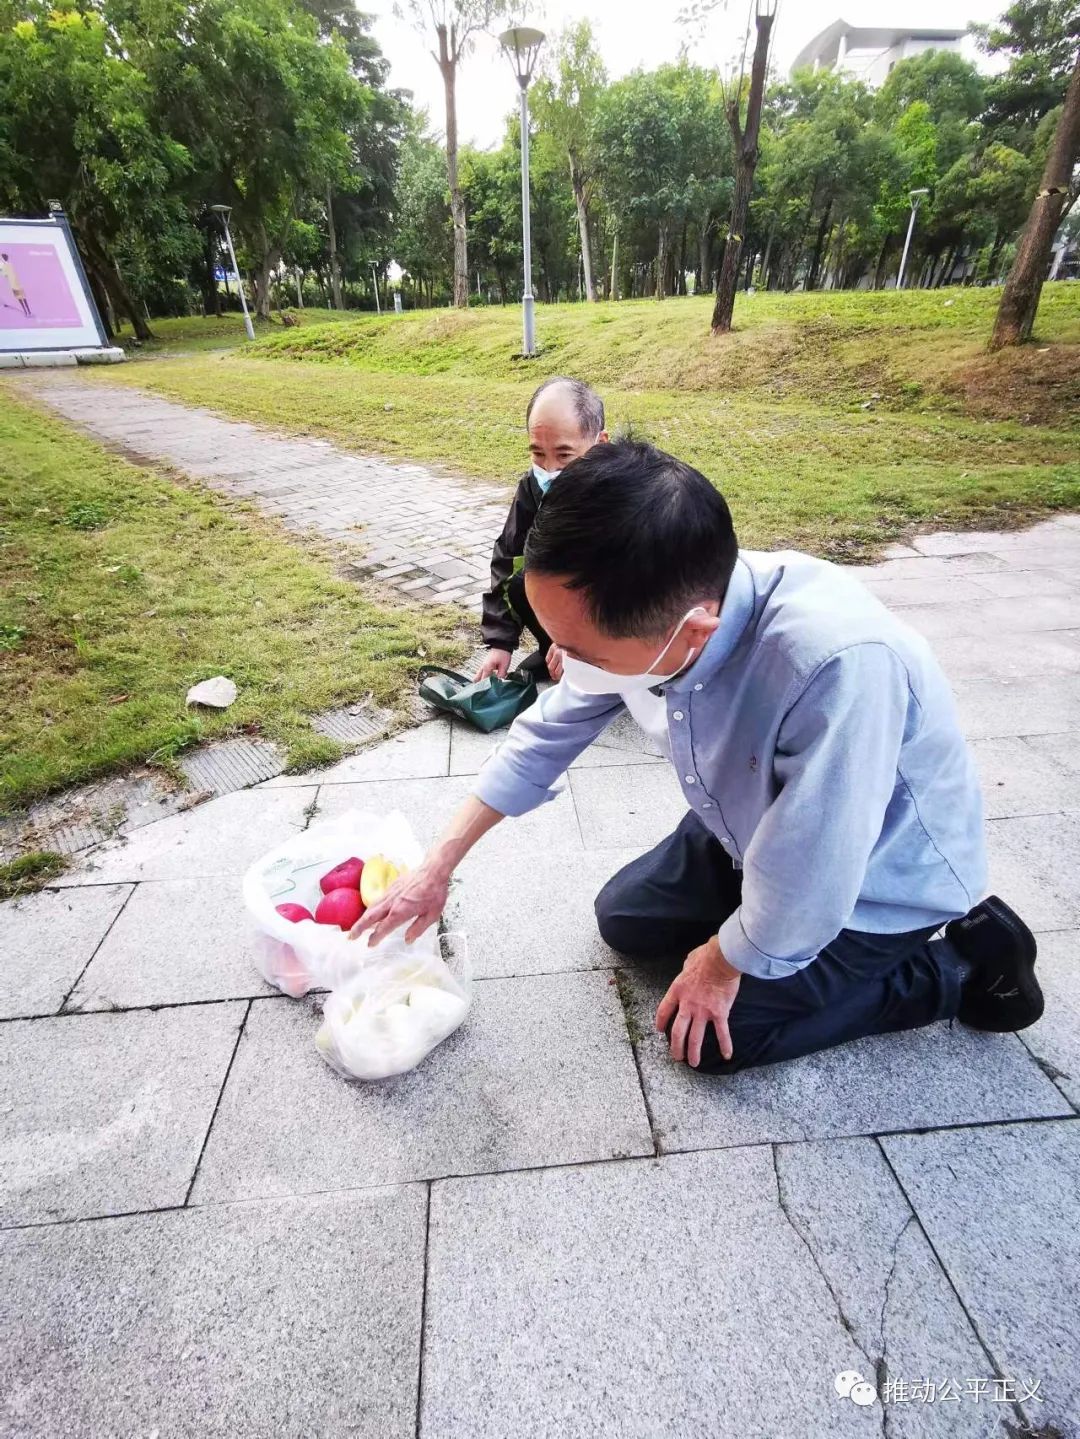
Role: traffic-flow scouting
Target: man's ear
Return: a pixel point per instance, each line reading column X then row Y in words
column 699, row 627
column 603, row 438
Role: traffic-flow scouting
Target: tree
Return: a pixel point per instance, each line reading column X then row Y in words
column 454, row 23
column 648, row 137
column 1020, row 299
column 1040, row 38
column 564, row 103
column 744, row 136
column 423, row 235
column 78, row 126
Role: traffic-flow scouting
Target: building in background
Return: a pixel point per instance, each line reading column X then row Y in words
column 869, row 52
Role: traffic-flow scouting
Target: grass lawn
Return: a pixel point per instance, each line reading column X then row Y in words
column 195, row 334
column 832, row 421
column 120, row 588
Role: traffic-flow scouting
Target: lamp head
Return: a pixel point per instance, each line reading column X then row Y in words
column 522, row 46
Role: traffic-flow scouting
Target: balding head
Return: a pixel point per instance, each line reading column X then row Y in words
column 565, row 418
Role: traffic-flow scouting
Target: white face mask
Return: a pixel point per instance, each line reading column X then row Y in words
column 544, row 477
column 592, row 680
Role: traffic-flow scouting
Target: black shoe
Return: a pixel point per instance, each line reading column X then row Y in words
column 535, row 665
column 1001, row 993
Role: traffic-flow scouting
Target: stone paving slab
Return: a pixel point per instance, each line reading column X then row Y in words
column 627, row 807
column 429, row 803
column 1021, row 776
column 540, row 1073
column 533, row 913
column 660, row 1298
column 860, row 1088
column 293, row 1318
column 222, row 837
column 48, row 939
column 178, row 941
column 992, row 708
column 1034, row 862
column 420, row 753
column 999, row 1207
column 1055, row 1039
column 842, row 1200
column 107, row 1113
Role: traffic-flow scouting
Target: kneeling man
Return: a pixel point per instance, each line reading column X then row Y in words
column 834, row 822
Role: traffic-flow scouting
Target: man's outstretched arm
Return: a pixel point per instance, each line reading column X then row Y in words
column 420, row 896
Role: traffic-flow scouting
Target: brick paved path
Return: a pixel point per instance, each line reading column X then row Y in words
column 424, row 534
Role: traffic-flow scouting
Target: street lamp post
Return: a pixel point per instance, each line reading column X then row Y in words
column 225, row 211
column 522, row 46
column 916, row 196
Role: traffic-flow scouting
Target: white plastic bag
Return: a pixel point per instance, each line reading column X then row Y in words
column 397, row 1007
column 296, row 957
column 389, row 1006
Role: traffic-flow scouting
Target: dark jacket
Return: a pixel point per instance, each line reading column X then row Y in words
column 500, row 625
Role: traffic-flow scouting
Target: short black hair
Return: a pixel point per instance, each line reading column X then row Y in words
column 643, row 535
column 588, row 406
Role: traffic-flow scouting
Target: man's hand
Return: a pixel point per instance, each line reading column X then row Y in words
column 554, row 662
column 419, row 897
column 704, row 991
column 496, row 662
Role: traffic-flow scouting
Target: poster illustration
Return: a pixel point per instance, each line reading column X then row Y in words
column 44, row 303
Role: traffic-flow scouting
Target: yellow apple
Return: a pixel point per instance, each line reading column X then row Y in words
column 379, row 874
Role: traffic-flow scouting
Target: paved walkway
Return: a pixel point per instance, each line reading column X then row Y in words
column 548, row 1229
column 424, row 534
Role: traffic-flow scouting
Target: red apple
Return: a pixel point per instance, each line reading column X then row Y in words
column 294, row 912
column 345, row 875
column 342, row 907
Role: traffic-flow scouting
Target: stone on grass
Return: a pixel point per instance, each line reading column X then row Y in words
column 217, row 693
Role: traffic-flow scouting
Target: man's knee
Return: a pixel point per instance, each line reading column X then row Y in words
column 615, row 925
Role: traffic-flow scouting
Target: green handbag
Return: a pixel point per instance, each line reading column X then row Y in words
column 487, row 704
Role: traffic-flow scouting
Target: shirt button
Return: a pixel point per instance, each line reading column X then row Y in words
column 708, row 804
column 698, row 687
column 676, row 714
column 690, row 779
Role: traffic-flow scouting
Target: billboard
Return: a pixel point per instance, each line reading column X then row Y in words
column 45, row 301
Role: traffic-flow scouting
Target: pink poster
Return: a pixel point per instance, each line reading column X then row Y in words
column 34, row 290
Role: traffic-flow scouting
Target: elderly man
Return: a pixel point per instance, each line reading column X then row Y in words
column 564, row 418
column 833, row 823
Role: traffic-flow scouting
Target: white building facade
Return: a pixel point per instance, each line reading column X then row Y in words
column 868, row 53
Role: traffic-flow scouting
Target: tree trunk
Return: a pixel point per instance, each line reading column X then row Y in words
column 335, row 264
column 114, row 284
column 615, row 267
column 578, row 185
column 948, row 267
column 268, row 258
column 704, row 283
column 211, row 297
column 1020, row 299
column 680, row 273
column 661, row 261
column 819, row 245
column 768, row 252
column 879, row 268
column 746, row 158
column 448, row 58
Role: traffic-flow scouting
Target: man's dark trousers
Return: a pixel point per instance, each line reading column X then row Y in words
column 674, row 898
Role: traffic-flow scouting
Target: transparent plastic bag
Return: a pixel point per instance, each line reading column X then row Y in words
column 395, row 1009
column 298, row 957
